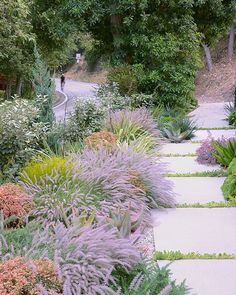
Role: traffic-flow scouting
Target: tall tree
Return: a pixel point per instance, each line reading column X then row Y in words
column 16, row 42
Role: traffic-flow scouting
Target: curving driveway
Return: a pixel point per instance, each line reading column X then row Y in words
column 74, row 90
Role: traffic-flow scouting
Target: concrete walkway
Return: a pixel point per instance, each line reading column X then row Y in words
column 201, row 230
column 74, row 90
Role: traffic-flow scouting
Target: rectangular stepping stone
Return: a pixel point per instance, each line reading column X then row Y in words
column 201, row 135
column 205, row 277
column 186, row 165
column 179, row 148
column 195, row 230
column 202, row 190
column 210, row 115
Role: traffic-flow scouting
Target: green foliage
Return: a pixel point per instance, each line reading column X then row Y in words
column 126, row 79
column 87, row 118
column 44, row 89
column 21, row 237
column 225, row 153
column 229, row 187
column 232, row 167
column 177, row 255
column 42, row 167
column 20, row 134
column 148, row 278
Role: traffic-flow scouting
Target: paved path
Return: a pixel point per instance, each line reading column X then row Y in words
column 201, row 230
column 74, row 90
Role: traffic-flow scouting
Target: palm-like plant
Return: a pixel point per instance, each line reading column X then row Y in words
column 225, row 153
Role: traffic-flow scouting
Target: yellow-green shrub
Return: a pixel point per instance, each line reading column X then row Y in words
column 45, row 166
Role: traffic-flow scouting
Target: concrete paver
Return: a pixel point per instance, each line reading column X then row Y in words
column 195, row 230
column 201, row 135
column 205, row 277
column 202, row 190
column 210, row 115
column 186, row 165
column 179, row 148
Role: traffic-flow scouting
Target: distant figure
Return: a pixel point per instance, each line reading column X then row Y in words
column 63, row 82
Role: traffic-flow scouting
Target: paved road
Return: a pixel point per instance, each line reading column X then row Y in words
column 74, row 90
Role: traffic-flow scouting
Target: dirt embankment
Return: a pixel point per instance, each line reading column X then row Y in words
column 218, row 85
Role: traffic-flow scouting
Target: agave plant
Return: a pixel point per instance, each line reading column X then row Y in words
column 179, row 129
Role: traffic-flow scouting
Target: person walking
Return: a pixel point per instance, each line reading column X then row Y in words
column 63, row 82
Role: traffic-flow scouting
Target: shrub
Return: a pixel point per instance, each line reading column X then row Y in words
column 206, row 152
column 101, row 139
column 20, row 135
column 126, row 79
column 178, row 129
column 232, row 167
column 111, row 99
column 225, row 152
column 86, row 119
column 45, row 167
column 14, row 202
column 19, row 276
column 229, row 187
column 87, row 256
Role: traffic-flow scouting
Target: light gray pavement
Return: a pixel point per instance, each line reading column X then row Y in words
column 201, row 190
column 186, row 165
column 74, row 90
column 179, row 148
column 204, row 134
column 195, row 230
column 205, row 277
column 210, row 115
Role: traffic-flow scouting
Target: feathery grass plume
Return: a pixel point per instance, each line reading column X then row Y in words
column 86, row 257
column 130, row 125
column 126, row 175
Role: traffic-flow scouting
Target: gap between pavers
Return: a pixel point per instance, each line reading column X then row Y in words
column 201, row 135
column 195, row 230
column 179, row 148
column 201, row 190
column 205, row 277
column 186, row 165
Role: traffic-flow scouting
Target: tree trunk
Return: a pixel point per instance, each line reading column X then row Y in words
column 115, row 21
column 231, row 42
column 208, row 57
column 19, row 86
column 9, row 89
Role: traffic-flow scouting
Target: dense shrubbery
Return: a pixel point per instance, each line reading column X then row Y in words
column 86, row 119
column 20, row 134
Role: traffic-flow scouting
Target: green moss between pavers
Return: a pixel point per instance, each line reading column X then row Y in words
column 215, row 173
column 177, row 255
column 217, row 128
column 208, row 205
